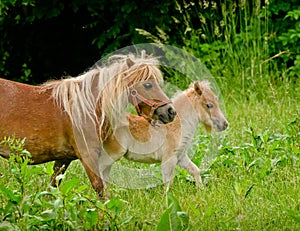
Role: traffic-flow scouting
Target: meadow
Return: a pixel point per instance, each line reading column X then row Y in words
column 253, row 181
column 252, row 176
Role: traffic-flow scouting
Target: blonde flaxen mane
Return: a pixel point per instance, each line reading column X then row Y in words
column 102, row 90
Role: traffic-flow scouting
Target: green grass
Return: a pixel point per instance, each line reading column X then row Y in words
column 253, row 185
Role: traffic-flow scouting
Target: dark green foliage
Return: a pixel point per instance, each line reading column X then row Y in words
column 47, row 39
column 285, row 24
column 243, row 43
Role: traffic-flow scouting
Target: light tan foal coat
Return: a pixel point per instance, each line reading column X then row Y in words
column 167, row 143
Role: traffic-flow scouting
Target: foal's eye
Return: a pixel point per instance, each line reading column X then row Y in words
column 209, row 105
column 147, row 85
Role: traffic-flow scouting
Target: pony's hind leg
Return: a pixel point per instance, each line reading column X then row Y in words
column 59, row 167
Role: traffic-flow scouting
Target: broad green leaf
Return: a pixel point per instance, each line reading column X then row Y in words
column 91, row 218
column 68, row 185
column 11, row 195
column 173, row 218
column 294, row 214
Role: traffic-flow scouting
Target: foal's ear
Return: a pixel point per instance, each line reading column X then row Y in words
column 197, row 88
column 129, row 62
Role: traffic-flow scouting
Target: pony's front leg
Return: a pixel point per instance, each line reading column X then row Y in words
column 186, row 163
column 59, row 167
column 168, row 167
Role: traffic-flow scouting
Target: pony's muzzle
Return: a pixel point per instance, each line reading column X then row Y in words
column 225, row 125
column 166, row 113
column 221, row 125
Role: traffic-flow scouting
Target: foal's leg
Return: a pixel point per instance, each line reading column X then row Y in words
column 105, row 174
column 112, row 151
column 105, row 163
column 168, row 167
column 186, row 163
column 59, row 167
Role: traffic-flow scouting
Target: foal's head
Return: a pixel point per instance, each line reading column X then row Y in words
column 206, row 105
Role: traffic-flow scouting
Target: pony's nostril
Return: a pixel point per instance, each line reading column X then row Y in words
column 225, row 124
column 172, row 111
column 162, row 119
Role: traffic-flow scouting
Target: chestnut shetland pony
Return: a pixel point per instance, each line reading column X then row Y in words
column 168, row 143
column 68, row 119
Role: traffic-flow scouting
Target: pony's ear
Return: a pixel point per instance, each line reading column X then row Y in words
column 129, row 62
column 197, row 88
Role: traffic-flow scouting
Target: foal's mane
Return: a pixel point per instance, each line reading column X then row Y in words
column 101, row 94
column 204, row 85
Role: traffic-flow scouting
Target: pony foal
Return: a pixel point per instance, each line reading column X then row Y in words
column 168, row 143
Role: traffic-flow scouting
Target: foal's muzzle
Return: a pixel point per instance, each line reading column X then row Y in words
column 221, row 125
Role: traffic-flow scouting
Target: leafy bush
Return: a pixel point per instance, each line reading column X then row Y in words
column 284, row 31
column 64, row 208
column 71, row 36
column 243, row 43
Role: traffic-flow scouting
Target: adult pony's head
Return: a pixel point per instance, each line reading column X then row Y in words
column 138, row 78
column 205, row 103
column 102, row 94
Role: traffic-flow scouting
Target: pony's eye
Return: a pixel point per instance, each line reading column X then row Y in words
column 209, row 105
column 147, row 85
